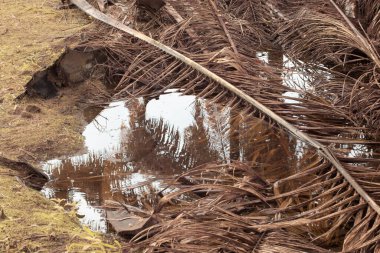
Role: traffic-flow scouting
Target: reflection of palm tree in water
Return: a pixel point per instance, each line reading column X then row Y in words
column 149, row 146
column 93, row 175
column 159, row 147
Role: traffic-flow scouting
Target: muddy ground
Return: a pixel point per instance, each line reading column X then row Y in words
column 33, row 34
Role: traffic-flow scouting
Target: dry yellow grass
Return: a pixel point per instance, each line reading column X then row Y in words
column 32, row 37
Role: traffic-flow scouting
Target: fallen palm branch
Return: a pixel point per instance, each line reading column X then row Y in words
column 325, row 152
column 222, row 24
column 337, row 206
column 363, row 43
column 337, row 33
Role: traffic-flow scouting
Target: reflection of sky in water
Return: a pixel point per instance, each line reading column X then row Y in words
column 106, row 128
column 93, row 217
column 173, row 108
column 263, row 56
column 103, row 137
column 359, row 150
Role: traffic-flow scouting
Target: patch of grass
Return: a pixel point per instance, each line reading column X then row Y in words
column 32, row 37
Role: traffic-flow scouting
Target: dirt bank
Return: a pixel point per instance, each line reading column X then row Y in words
column 32, row 36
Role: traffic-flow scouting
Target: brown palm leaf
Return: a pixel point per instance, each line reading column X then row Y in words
column 329, row 201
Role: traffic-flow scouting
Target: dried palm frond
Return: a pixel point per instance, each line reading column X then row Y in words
column 344, row 36
column 329, row 38
column 328, row 201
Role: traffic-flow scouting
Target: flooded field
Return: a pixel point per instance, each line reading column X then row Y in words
column 133, row 146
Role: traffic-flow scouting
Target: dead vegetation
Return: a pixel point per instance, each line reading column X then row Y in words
column 331, row 202
column 345, row 37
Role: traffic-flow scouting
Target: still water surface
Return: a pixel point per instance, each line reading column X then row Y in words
column 133, row 145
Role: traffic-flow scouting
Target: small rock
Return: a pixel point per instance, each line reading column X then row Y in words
column 32, row 109
column 75, row 66
column 26, row 115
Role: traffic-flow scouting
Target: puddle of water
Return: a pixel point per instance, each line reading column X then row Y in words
column 132, row 146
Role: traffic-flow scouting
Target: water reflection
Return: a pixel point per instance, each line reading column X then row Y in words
column 132, row 146
column 295, row 74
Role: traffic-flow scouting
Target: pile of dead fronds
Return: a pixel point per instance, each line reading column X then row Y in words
column 329, row 199
column 344, row 37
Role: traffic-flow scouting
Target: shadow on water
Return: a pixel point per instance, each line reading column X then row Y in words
column 132, row 146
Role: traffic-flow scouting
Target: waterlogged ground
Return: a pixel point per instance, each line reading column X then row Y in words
column 129, row 148
column 133, row 146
